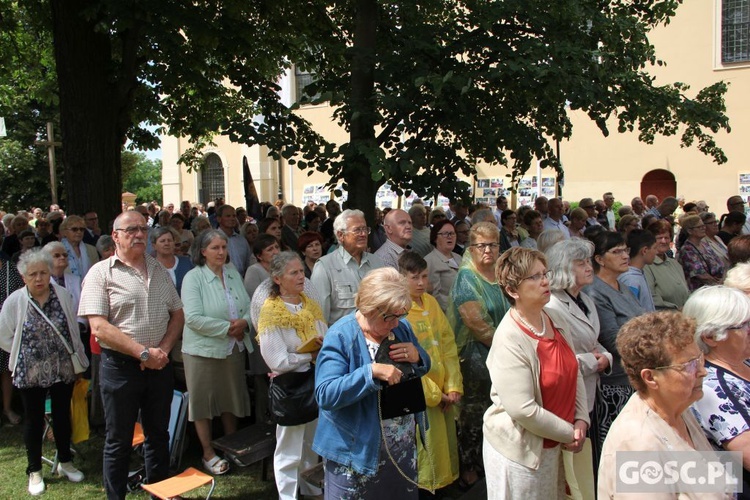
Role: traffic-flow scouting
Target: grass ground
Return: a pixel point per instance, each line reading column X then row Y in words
column 240, row 483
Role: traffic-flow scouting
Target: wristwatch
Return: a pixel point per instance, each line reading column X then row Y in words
column 144, row 355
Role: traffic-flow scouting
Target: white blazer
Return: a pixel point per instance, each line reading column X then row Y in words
column 584, row 331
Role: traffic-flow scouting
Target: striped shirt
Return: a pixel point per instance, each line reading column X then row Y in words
column 140, row 307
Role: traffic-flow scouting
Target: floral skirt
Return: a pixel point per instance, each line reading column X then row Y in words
column 342, row 482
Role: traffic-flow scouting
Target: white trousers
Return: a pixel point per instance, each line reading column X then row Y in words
column 294, row 455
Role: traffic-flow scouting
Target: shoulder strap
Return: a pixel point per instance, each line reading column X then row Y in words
column 49, row 321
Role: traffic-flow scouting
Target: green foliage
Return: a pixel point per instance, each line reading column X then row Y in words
column 461, row 81
column 28, row 100
column 141, row 177
column 24, row 175
column 426, row 88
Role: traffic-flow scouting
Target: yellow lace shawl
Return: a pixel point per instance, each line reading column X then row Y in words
column 275, row 314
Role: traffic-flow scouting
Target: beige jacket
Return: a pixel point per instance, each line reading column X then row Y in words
column 516, row 424
column 639, row 428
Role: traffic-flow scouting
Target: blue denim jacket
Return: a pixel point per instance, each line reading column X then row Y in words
column 348, row 424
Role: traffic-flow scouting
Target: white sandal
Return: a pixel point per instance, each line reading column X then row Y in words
column 216, row 466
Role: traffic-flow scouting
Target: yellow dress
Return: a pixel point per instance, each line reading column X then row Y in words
column 438, row 460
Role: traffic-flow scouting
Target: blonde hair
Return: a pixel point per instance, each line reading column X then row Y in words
column 383, row 290
column 484, row 229
column 70, row 219
column 514, row 265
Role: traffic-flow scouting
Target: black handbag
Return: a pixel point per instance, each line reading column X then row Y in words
column 291, row 398
column 407, row 396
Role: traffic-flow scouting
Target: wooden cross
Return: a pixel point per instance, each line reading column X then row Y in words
column 50, row 145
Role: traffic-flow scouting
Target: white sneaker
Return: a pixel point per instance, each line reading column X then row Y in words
column 66, row 469
column 36, row 483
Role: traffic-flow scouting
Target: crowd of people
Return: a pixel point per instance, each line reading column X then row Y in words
column 434, row 347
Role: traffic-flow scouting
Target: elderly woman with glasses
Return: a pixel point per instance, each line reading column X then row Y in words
column 476, row 306
column 367, row 457
column 81, row 256
column 538, row 396
column 665, row 366
column 38, row 327
column 442, row 262
column 699, row 262
column 722, row 315
column 615, row 305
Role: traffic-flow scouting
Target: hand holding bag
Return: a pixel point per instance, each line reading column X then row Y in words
column 407, row 396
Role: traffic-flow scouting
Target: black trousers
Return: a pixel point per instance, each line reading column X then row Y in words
column 126, row 389
column 33, row 404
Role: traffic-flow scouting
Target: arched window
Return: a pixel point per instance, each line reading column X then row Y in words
column 212, row 179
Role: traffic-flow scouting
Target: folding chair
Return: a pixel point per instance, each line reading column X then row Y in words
column 175, row 486
column 177, row 425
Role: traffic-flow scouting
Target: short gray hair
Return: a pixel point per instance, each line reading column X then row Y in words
column 416, row 207
column 716, row 309
column 198, row 220
column 105, row 242
column 739, row 277
column 548, row 238
column 287, row 207
column 161, row 231
column 561, row 258
column 278, row 266
column 339, row 225
column 53, row 246
column 32, row 257
column 201, row 242
column 482, row 215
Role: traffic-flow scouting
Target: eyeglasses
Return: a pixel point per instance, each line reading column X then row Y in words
column 359, row 231
column 619, row 251
column 387, row 317
column 76, row 229
column 744, row 326
column 702, row 226
column 58, row 255
column 482, row 247
column 131, row 230
column 712, row 222
column 538, row 276
column 690, row 367
column 447, row 234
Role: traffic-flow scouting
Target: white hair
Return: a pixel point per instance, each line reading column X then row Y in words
column 739, row 277
column 339, row 225
column 716, row 309
column 561, row 258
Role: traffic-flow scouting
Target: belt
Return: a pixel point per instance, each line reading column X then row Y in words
column 119, row 355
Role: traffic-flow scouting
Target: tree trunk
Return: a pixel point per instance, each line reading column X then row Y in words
column 357, row 174
column 91, row 111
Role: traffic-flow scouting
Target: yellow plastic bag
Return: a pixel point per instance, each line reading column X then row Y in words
column 79, row 411
column 579, row 473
